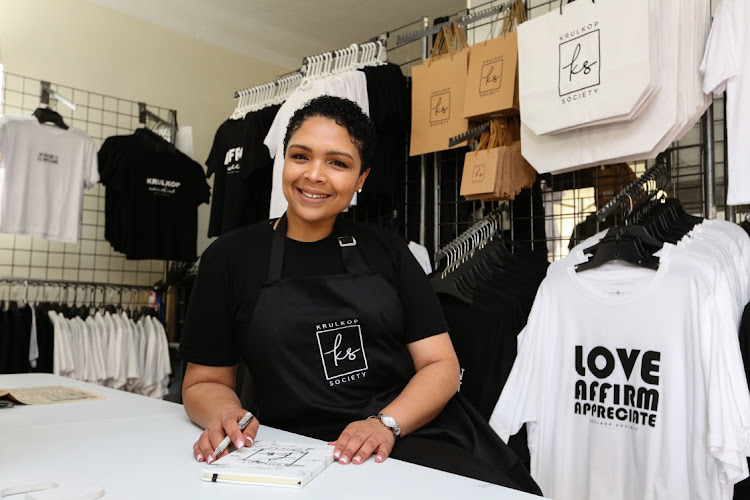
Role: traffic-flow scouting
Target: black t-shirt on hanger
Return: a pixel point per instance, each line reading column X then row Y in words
column 165, row 197
column 110, row 158
column 153, row 193
column 390, row 109
column 224, row 162
column 242, row 168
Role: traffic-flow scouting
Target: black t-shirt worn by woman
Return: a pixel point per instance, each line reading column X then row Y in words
column 235, row 266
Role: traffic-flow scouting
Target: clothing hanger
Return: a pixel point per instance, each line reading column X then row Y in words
column 632, row 243
column 352, row 57
column 48, row 115
column 382, row 57
column 236, row 114
column 479, row 260
column 626, row 243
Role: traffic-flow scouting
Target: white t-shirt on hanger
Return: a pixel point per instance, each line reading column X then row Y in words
column 624, row 380
column 90, row 354
column 43, row 171
column 165, row 366
column 62, row 358
column 114, row 352
column 725, row 275
column 737, row 234
column 351, row 85
column 150, row 375
column 725, row 66
column 143, row 359
column 106, row 345
column 133, row 367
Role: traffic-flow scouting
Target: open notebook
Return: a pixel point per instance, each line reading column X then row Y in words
column 271, row 463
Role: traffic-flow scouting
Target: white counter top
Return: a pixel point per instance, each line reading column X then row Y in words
column 141, row 448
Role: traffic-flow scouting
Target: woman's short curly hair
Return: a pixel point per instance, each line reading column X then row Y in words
column 344, row 112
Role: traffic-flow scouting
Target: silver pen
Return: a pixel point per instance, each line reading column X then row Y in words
column 225, row 442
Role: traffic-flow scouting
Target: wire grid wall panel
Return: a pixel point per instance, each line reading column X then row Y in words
column 420, row 193
column 404, row 213
column 92, row 258
column 568, row 199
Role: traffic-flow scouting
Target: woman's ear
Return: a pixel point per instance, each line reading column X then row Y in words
column 361, row 181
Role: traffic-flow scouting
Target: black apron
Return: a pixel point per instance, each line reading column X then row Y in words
column 328, row 350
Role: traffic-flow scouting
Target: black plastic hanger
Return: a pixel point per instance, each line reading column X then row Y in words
column 47, row 115
column 154, row 140
column 629, row 243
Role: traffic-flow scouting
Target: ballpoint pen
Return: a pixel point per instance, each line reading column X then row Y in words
column 225, row 442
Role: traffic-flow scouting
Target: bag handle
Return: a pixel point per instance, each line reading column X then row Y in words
column 449, row 40
column 516, row 16
column 568, row 1
column 441, row 46
column 459, row 36
column 502, row 132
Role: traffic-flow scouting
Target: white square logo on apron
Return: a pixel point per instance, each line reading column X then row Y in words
column 342, row 351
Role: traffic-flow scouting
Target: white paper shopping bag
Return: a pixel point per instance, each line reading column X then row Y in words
column 659, row 124
column 590, row 65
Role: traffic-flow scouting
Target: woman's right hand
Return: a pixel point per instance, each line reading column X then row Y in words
column 225, row 425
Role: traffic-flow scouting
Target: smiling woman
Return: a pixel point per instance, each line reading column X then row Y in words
column 336, row 322
column 324, row 165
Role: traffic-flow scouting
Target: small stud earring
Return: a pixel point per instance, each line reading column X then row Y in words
column 359, row 190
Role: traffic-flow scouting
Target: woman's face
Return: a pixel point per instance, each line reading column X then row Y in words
column 321, row 171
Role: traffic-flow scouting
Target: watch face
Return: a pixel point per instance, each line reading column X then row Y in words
column 389, row 421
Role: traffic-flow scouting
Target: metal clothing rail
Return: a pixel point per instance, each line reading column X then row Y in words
column 94, row 284
column 640, row 190
column 325, row 58
column 90, row 290
column 463, row 21
column 313, row 67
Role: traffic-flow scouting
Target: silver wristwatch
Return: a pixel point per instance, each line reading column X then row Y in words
column 389, row 422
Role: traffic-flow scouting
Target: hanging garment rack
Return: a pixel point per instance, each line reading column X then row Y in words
column 463, row 21
column 260, row 96
column 463, row 246
column 47, row 92
column 638, row 192
column 356, row 56
column 87, row 286
column 650, row 221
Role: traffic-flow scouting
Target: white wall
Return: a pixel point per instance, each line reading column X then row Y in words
column 79, row 44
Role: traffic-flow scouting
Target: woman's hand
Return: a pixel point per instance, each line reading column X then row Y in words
column 361, row 439
column 226, row 425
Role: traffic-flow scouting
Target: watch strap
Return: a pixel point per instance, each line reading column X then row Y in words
column 395, row 429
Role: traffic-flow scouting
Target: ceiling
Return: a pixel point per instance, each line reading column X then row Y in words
column 282, row 32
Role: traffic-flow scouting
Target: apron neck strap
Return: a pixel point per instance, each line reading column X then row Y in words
column 353, row 261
